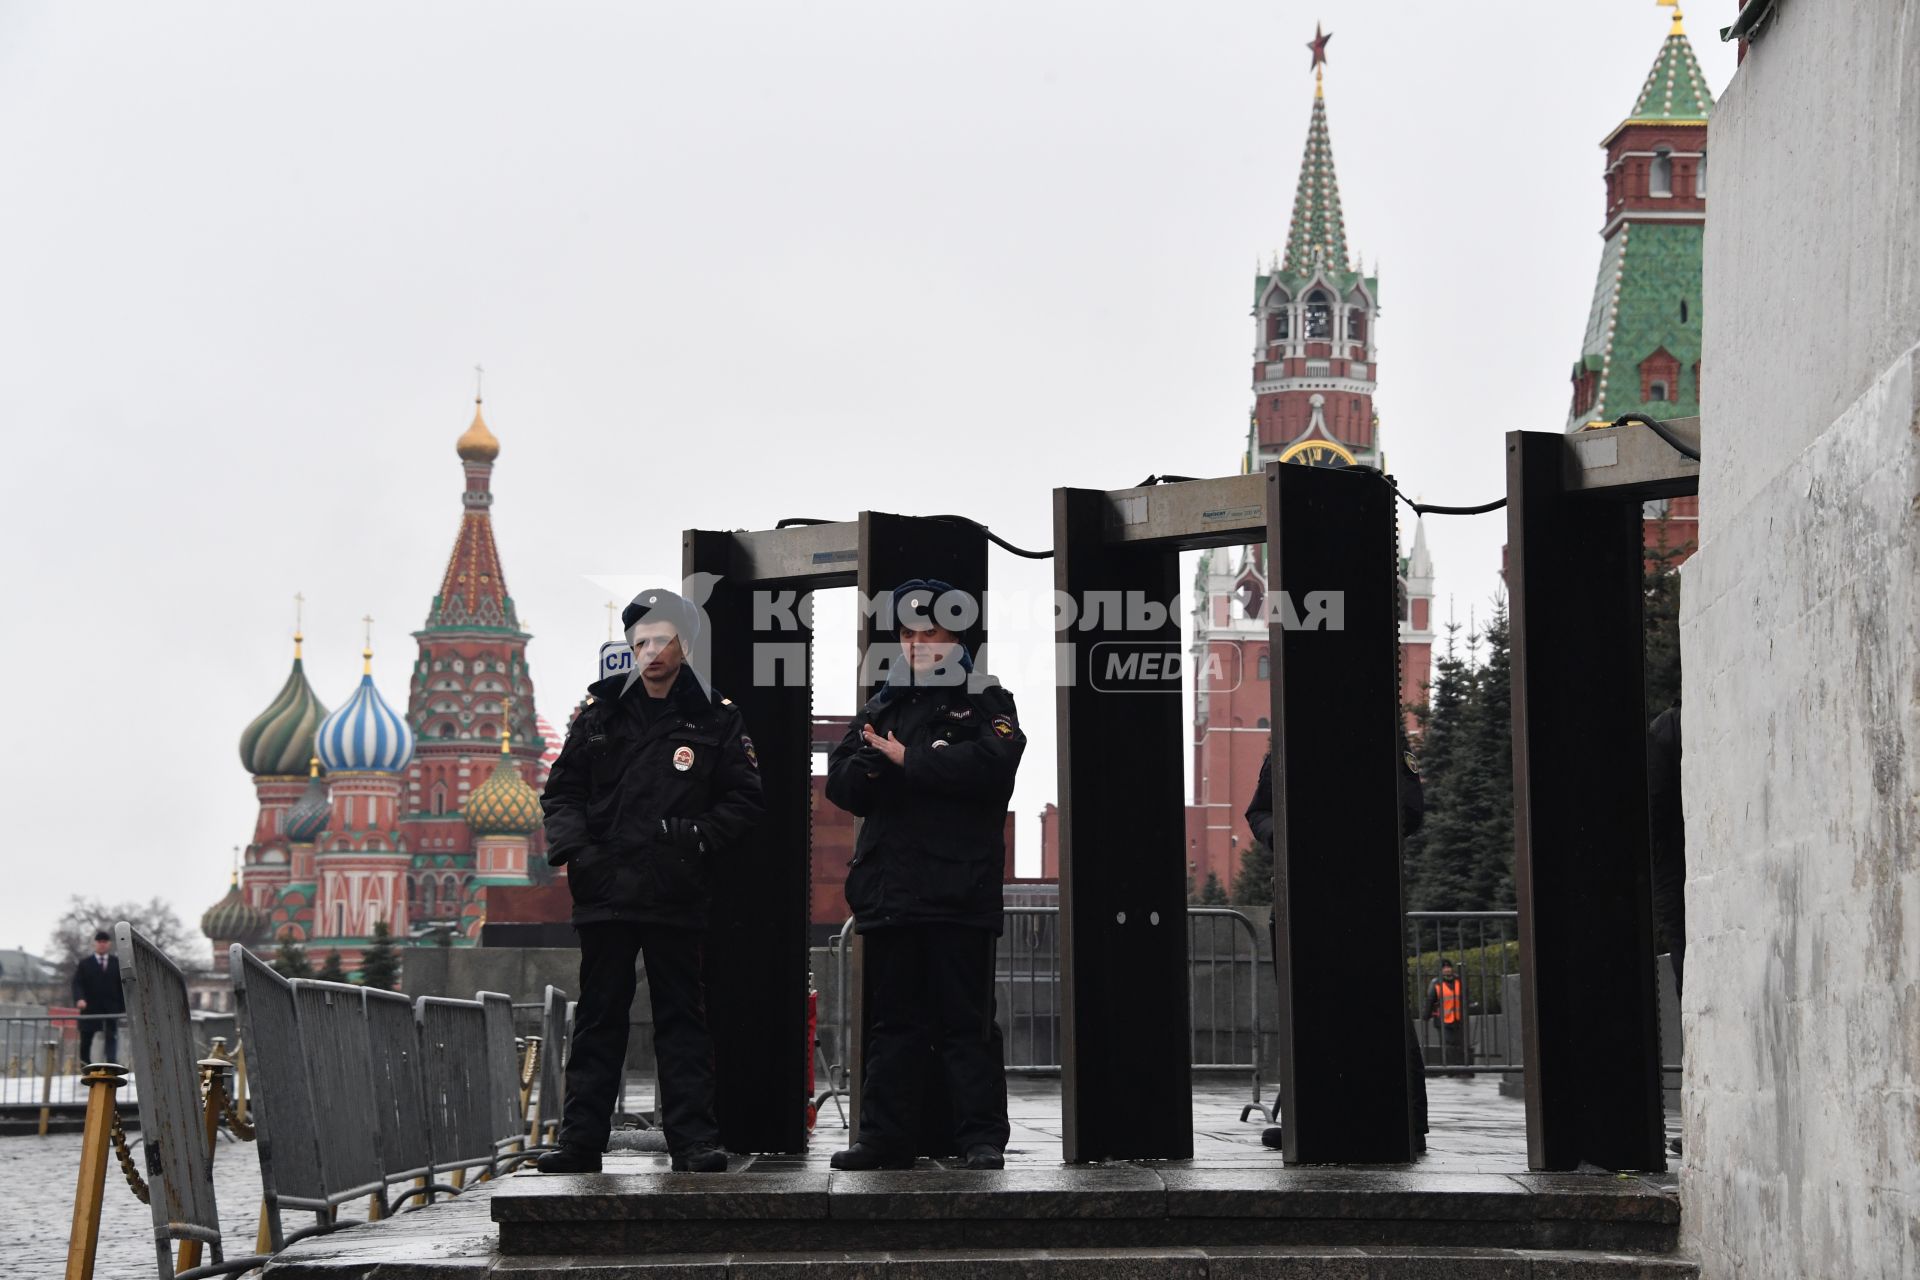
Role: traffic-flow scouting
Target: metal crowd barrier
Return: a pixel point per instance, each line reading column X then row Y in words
column 1485, row 949
column 1240, row 1055
column 453, row 1056
column 506, row 1113
column 177, row 1125
column 556, row 1025
column 41, row 1059
column 400, row 1097
column 1028, row 1007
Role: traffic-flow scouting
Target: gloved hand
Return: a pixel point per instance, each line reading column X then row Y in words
column 683, row 833
column 870, row 760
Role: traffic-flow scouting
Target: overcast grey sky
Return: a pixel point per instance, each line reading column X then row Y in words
column 724, row 263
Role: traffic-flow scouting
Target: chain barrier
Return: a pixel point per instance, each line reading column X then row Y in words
column 135, row 1183
column 530, row 1062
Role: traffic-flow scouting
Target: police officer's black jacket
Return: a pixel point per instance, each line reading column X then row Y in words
column 620, row 774
column 1413, row 800
column 933, row 841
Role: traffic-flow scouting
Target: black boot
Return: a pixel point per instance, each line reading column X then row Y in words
column 700, row 1158
column 984, row 1155
column 1271, row 1137
column 569, row 1160
column 862, row 1156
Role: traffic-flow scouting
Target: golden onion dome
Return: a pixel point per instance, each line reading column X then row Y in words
column 478, row 444
column 503, row 805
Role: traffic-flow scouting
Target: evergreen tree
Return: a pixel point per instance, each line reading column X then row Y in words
column 1490, row 770
column 331, row 970
column 1253, row 884
column 1215, row 894
column 1193, row 895
column 1439, row 855
column 380, row 966
column 290, row 961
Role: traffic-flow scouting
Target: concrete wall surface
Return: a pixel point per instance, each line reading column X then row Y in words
column 1801, row 643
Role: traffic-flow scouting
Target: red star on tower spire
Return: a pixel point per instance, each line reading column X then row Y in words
column 1319, row 46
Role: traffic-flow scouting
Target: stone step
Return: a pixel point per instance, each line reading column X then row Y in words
column 1110, row 1207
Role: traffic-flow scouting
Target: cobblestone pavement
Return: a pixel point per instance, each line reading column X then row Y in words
column 37, row 1181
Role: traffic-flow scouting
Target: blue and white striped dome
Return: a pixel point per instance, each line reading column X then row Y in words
column 364, row 735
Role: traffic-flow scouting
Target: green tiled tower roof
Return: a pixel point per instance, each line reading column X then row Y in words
column 1675, row 89
column 1318, row 235
column 1646, row 300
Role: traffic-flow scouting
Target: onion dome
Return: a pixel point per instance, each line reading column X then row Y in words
column 280, row 739
column 477, row 443
column 365, row 735
column 232, row 919
column 311, row 812
column 503, row 805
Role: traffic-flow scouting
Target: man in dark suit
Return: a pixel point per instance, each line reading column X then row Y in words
column 97, row 994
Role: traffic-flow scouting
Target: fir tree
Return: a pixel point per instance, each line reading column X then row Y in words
column 331, row 970
column 1439, row 855
column 1253, row 884
column 1215, row 894
column 380, row 966
column 290, row 961
column 1490, row 773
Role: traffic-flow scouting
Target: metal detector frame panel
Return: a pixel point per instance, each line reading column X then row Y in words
column 757, row 953
column 1128, row 1095
column 1581, row 859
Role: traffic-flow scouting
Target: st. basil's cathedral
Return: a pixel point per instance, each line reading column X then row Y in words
column 369, row 817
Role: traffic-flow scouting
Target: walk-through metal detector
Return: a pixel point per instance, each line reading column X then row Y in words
column 1575, row 558
column 1127, row 1091
column 760, row 640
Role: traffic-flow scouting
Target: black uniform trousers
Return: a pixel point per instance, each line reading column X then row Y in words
column 597, row 1055
column 108, row 1027
column 931, row 985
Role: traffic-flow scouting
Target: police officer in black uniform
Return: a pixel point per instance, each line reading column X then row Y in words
column 1413, row 808
column 656, row 782
column 929, row 766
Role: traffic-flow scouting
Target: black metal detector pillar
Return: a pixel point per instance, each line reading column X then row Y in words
column 894, row 549
column 1127, row 1087
column 1574, row 574
column 1334, row 631
column 1126, row 1081
column 756, row 961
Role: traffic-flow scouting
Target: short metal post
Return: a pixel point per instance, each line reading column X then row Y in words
column 46, row 1086
column 95, row 1147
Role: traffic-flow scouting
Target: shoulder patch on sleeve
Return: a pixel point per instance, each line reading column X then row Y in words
column 746, row 744
column 1413, row 766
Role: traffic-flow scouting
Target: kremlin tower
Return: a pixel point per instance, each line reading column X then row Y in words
column 1641, row 353
column 368, row 817
column 1315, row 367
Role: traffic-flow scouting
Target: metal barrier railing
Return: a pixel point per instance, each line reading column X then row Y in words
column 1484, row 947
column 41, row 1059
column 1028, row 1006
